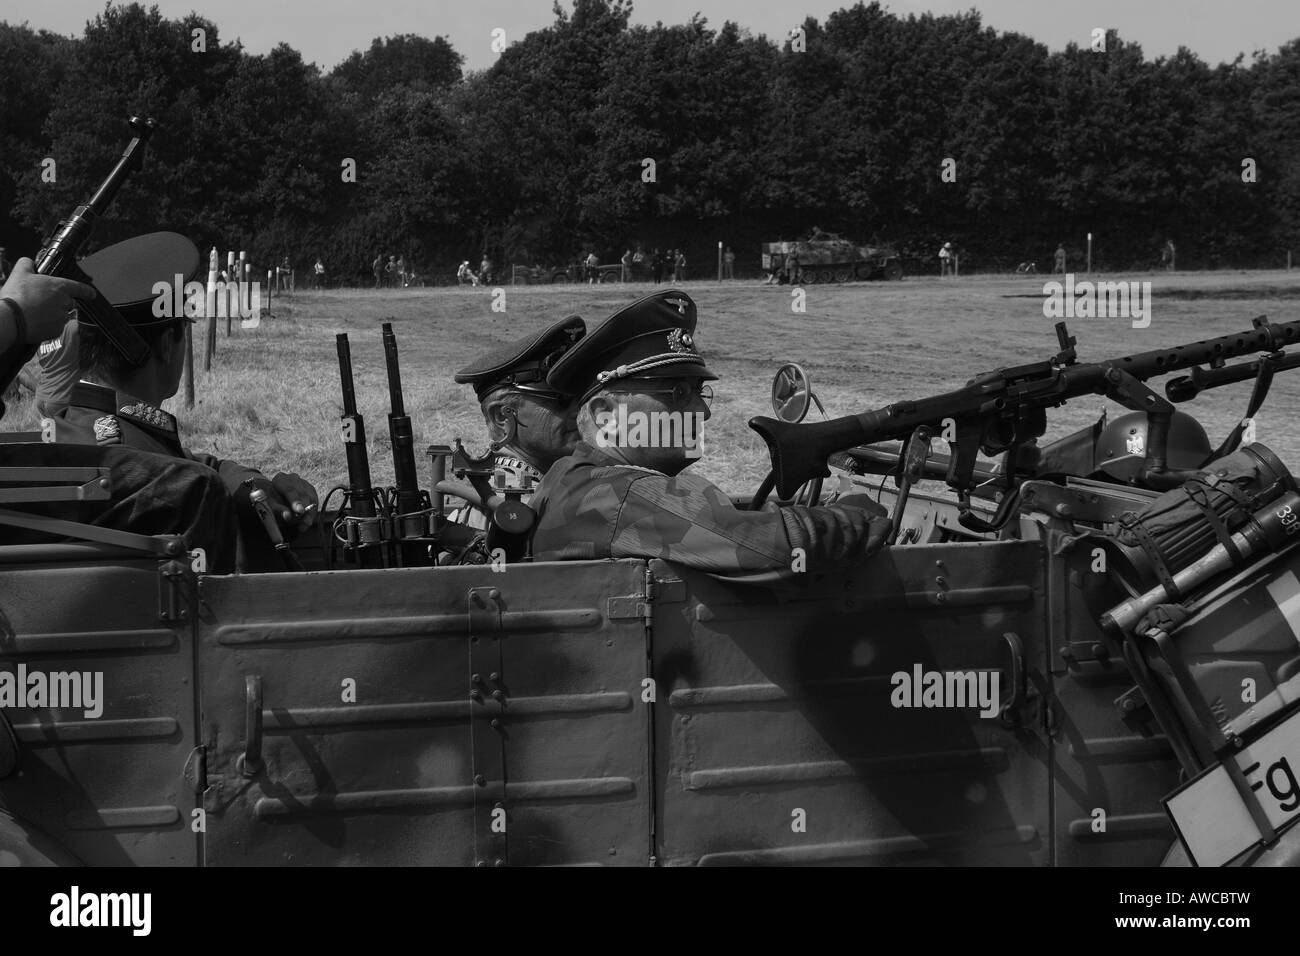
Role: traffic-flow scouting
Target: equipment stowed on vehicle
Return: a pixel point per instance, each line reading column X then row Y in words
column 1082, row 654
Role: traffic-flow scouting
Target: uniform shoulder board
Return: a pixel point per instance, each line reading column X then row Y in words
column 146, row 414
column 108, row 430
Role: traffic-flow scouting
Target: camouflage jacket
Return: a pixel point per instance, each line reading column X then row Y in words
column 593, row 506
column 100, row 416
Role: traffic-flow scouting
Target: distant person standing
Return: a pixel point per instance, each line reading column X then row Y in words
column 378, row 268
column 657, row 267
column 945, row 260
column 627, row 265
column 1059, row 263
column 391, row 271
column 679, row 267
column 792, row 268
column 485, row 270
column 728, row 264
column 401, row 270
column 319, row 271
column 1168, row 255
column 593, row 268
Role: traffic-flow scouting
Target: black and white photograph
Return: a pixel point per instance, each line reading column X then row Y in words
column 694, row 433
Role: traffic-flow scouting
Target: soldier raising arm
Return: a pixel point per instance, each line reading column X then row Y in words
column 116, row 403
column 621, row 494
column 34, row 308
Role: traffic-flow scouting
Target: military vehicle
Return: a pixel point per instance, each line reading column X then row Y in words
column 1082, row 653
column 833, row 260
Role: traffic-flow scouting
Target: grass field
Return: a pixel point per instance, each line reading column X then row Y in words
column 273, row 397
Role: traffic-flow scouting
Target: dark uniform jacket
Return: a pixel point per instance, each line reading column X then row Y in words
column 593, row 506
column 100, row 416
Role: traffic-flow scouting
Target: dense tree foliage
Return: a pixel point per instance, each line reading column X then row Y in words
column 596, row 134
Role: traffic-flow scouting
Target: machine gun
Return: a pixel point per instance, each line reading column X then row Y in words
column 58, row 257
column 400, row 526
column 1004, row 412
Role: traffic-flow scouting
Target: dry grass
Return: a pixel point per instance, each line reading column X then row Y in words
column 273, row 397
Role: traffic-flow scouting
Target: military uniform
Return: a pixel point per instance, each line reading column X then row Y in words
column 126, row 273
column 521, row 365
column 101, row 416
column 593, row 505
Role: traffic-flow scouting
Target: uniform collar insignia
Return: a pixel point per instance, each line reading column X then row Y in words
column 108, row 431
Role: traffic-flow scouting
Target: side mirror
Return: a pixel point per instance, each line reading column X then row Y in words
column 791, row 393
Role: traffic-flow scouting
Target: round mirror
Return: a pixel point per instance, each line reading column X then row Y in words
column 791, row 393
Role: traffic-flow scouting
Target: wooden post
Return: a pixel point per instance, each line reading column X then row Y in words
column 210, row 345
column 189, row 364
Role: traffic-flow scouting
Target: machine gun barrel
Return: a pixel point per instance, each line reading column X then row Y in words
column 409, row 498
column 1187, row 387
column 58, row 257
column 361, row 493
column 1006, row 397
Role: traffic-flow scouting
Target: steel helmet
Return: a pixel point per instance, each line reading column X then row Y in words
column 1122, row 445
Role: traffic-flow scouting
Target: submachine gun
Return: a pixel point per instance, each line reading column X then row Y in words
column 1003, row 412
column 58, row 257
column 404, row 525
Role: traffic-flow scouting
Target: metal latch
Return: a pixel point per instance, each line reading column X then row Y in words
column 657, row 591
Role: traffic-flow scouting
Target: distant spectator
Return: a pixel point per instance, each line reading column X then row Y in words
column 401, row 270
column 945, row 260
column 1168, row 254
column 729, row 264
column 593, row 268
column 391, row 271
column 282, row 273
column 378, row 267
column 1059, row 263
column 657, row 267
column 485, row 270
column 679, row 267
column 319, row 271
column 465, row 275
column 627, row 265
column 638, row 257
column 792, row 270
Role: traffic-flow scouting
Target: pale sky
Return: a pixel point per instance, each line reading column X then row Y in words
column 326, row 31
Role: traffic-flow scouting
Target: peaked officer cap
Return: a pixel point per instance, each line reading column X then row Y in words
column 126, row 273
column 651, row 338
column 525, row 362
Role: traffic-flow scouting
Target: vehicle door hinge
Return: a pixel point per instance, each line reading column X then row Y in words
column 657, row 591
column 176, row 583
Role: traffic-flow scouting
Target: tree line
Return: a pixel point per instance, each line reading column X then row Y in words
column 596, row 135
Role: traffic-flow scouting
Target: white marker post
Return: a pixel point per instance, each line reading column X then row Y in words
column 1089, row 270
column 719, row 261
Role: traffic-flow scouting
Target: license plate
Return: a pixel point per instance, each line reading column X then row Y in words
column 1210, row 815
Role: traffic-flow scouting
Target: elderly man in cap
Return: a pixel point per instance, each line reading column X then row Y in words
column 116, row 403
column 622, row 493
column 529, row 422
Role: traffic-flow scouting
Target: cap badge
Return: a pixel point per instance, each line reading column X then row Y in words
column 681, row 304
column 679, row 340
